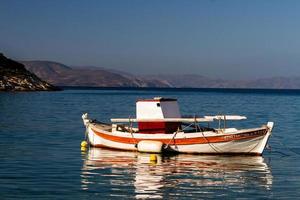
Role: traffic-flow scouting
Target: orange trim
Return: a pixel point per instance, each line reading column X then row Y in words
column 187, row 141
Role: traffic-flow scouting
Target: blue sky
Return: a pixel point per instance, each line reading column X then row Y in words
column 217, row 38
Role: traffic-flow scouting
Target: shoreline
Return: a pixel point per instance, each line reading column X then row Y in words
column 227, row 90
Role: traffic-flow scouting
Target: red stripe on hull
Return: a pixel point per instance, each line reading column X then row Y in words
column 188, row 141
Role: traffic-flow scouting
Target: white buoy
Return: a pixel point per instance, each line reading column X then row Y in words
column 150, row 146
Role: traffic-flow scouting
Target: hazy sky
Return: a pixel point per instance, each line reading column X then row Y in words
column 217, row 38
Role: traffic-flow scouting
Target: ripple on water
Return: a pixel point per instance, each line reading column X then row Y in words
column 173, row 176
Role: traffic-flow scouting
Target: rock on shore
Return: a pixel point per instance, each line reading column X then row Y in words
column 15, row 77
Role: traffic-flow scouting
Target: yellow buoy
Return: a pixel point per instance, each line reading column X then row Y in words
column 83, row 149
column 153, row 158
column 84, row 144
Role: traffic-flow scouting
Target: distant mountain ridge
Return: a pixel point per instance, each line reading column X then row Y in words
column 90, row 76
column 198, row 81
column 62, row 75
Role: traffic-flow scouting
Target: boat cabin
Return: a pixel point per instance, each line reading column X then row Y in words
column 156, row 110
column 162, row 115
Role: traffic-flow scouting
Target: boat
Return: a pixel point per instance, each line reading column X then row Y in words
column 160, row 128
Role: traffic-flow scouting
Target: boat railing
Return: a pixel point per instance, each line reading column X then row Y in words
column 195, row 119
column 187, row 122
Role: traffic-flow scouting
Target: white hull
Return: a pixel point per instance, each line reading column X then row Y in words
column 246, row 141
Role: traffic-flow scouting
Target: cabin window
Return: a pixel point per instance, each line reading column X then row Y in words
column 158, row 104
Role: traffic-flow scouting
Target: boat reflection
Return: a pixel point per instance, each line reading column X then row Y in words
column 131, row 173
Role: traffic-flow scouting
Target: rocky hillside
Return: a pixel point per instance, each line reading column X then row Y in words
column 15, row 77
column 62, row 75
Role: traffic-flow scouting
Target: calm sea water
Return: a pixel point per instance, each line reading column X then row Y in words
column 40, row 157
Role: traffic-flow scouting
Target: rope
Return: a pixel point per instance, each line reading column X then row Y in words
column 196, row 126
column 131, row 133
column 173, row 137
column 202, row 132
column 211, row 145
column 254, row 146
column 283, row 145
column 174, row 134
column 258, row 141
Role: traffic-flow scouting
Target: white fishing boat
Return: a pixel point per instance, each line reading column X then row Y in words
column 159, row 127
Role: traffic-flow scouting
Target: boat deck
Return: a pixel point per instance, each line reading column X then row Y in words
column 103, row 126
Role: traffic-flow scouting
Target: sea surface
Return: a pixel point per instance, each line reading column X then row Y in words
column 40, row 156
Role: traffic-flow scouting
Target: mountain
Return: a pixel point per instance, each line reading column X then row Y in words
column 190, row 81
column 272, row 83
column 198, row 81
column 15, row 77
column 62, row 75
